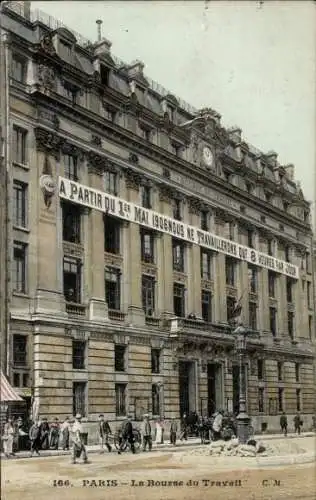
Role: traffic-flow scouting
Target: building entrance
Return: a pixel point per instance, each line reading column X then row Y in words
column 187, row 387
column 214, row 387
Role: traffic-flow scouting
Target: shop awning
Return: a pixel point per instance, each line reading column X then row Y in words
column 7, row 392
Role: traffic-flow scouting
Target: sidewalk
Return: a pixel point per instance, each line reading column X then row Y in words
column 190, row 442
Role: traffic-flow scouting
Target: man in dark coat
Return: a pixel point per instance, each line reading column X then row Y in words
column 127, row 435
column 298, row 422
column 34, row 435
column 54, row 434
column 283, row 423
column 104, row 432
column 44, row 434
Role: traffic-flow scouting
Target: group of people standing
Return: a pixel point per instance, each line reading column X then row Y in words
column 297, row 420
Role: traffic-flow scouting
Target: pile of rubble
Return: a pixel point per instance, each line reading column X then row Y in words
column 232, row 448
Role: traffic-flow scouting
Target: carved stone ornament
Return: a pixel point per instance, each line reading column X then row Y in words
column 47, row 183
column 166, row 123
column 132, row 179
column 47, row 45
column 47, row 77
column 70, row 149
column 96, row 140
column 133, row 158
column 166, row 193
column 195, row 147
column 96, row 161
column 47, row 142
column 195, row 206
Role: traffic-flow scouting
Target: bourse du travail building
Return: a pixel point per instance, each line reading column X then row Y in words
column 135, row 224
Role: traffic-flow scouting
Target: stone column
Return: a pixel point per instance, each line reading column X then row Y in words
column 242, row 289
column 282, row 329
column 165, row 267
column 49, row 297
column 136, row 315
column 220, row 288
column 94, row 256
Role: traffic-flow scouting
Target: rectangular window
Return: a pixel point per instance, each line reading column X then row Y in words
column 155, row 360
column 70, row 167
column 230, row 307
column 19, row 145
column 287, row 253
column 297, row 372
column 19, row 203
column 289, row 290
column 79, row 398
column 177, row 209
column 253, row 315
column 113, row 288
column 178, row 255
column 270, row 247
column 204, row 220
column 309, row 295
column 104, row 75
column 206, row 299
column 78, row 354
column 71, row 222
column 273, row 316
column 72, row 280
column 231, row 231
column 175, row 148
column 111, row 183
column 308, row 262
column 280, row 371
column 310, row 326
column 19, row 68
column 25, row 380
column 272, row 283
column 19, row 350
column 260, row 366
column 70, row 93
column 290, row 324
column 145, row 196
column 280, row 399
column 19, row 267
column 178, row 300
column 16, row 379
column 206, row 264
column 147, row 240
column 145, row 133
column 250, row 238
column 261, row 400
column 120, row 400
column 252, row 279
column 119, row 357
column 298, row 399
column 155, row 399
column 112, row 234
column 230, row 266
column 148, row 295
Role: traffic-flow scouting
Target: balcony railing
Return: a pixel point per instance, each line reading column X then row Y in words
column 74, row 309
column 116, row 315
column 150, row 321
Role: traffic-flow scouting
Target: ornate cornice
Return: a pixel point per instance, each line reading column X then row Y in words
column 166, row 193
column 47, row 142
column 195, row 206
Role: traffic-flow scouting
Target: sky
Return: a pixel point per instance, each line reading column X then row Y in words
column 253, row 62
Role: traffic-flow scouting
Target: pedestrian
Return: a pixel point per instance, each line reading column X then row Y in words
column 173, row 431
column 35, row 437
column 298, row 422
column 54, row 434
column 7, row 438
column 146, row 433
column 78, row 448
column 44, row 434
column 127, row 435
column 217, row 425
column 283, row 423
column 184, row 428
column 64, row 429
column 104, row 432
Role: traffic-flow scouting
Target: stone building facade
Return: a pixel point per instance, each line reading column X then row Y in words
column 135, row 226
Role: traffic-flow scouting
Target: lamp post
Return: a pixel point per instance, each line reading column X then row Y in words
column 243, row 420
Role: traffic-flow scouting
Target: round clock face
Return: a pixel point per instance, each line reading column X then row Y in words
column 207, row 156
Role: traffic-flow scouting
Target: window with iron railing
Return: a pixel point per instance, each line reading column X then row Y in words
column 70, row 163
column 148, row 295
column 290, row 324
column 230, row 268
column 252, row 279
column 19, row 267
column 19, row 203
column 178, row 248
column 113, row 288
column 272, row 283
column 204, row 220
column 289, row 290
column 120, row 358
column 147, row 240
column 78, row 354
column 206, row 305
column 112, row 234
column 120, row 399
column 145, row 196
column 72, row 279
column 71, row 222
column 206, row 264
column 19, row 350
column 179, row 300
column 260, row 369
column 111, row 182
column 79, row 398
column 155, row 360
column 19, row 145
column 273, row 320
column 19, row 68
column 177, row 209
column 253, row 315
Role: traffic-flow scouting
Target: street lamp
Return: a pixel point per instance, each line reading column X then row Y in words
column 243, row 420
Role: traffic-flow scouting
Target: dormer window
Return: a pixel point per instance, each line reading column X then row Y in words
column 104, row 75
column 66, row 48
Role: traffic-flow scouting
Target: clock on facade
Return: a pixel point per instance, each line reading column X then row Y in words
column 208, row 158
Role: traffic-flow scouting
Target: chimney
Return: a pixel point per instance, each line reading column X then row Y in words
column 102, row 47
column 135, row 68
column 99, row 23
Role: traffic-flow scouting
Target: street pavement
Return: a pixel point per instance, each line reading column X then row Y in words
column 191, row 442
